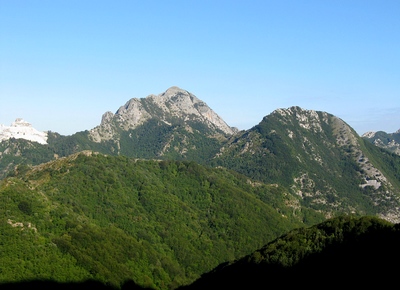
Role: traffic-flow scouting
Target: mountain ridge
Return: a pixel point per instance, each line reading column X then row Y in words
column 314, row 154
column 317, row 157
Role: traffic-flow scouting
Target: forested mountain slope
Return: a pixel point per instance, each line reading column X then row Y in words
column 159, row 223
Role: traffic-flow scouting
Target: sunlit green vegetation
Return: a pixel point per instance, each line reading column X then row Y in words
column 160, row 223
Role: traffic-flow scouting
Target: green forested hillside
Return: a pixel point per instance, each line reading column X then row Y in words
column 159, row 223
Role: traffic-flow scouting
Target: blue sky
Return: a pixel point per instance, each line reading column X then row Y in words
column 65, row 63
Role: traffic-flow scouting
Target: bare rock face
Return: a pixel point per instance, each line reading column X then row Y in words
column 388, row 141
column 20, row 129
column 171, row 106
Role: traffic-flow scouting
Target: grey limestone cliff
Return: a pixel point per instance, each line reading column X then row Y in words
column 174, row 105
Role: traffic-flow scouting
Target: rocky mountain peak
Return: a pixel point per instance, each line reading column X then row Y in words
column 20, row 129
column 169, row 106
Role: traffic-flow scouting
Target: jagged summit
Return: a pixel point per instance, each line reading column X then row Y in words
column 172, row 106
column 20, row 129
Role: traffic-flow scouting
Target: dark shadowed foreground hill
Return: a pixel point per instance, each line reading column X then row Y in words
column 342, row 252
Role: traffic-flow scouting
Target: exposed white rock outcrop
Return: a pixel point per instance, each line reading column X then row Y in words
column 369, row 134
column 307, row 119
column 20, row 129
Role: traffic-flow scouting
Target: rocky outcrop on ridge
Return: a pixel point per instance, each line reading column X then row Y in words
column 388, row 141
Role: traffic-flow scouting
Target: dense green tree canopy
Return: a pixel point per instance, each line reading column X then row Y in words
column 160, row 223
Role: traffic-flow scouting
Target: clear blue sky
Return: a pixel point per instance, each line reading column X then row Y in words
column 64, row 63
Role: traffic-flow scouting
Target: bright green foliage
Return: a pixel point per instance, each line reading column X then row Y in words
column 26, row 250
column 160, row 223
